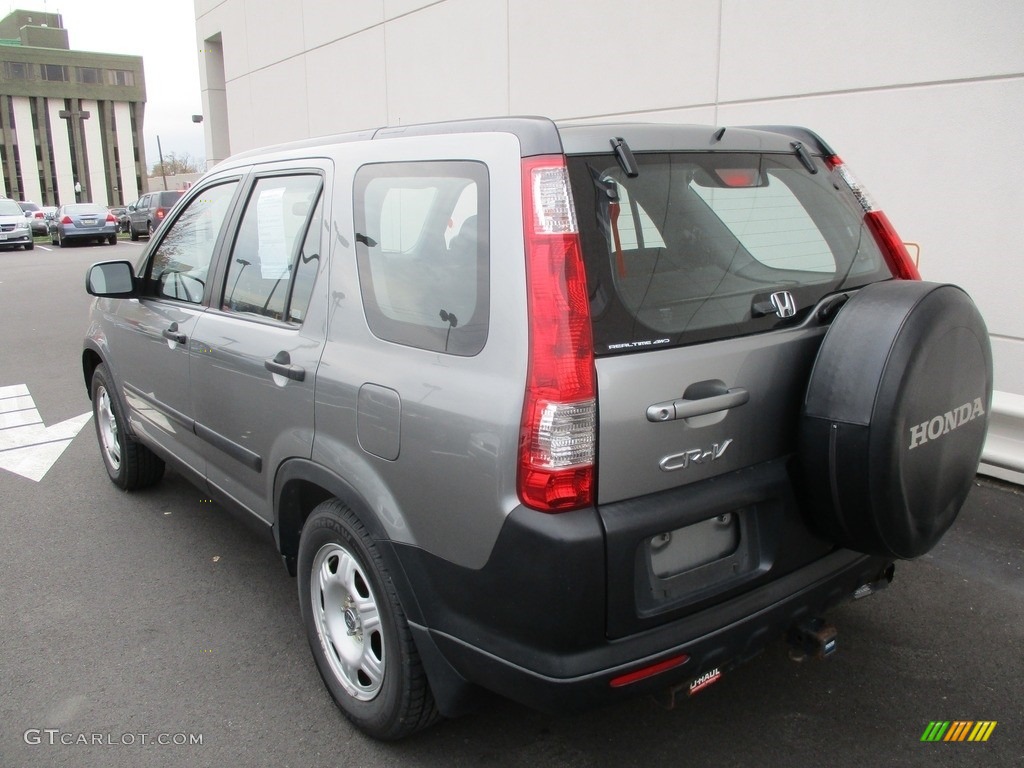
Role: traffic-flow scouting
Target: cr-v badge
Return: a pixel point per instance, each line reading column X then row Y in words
column 693, row 456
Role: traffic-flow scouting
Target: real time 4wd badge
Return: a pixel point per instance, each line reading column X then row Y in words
column 705, row 680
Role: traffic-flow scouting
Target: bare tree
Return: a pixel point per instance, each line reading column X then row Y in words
column 174, row 165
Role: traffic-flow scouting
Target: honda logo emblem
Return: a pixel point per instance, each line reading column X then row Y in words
column 785, row 305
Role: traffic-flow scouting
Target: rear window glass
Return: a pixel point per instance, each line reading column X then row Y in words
column 694, row 247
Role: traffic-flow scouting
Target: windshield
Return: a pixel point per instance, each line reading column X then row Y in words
column 694, row 247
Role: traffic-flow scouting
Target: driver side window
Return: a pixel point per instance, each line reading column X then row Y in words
column 179, row 266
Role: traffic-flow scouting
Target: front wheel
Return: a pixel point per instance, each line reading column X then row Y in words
column 129, row 464
column 356, row 627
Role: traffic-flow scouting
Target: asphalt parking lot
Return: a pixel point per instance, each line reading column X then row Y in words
column 131, row 620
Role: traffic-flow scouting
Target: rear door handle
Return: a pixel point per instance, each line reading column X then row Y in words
column 281, row 364
column 685, row 409
column 173, row 334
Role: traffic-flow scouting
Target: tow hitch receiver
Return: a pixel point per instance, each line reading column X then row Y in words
column 813, row 638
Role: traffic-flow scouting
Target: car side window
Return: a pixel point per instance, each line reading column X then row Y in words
column 423, row 252
column 270, row 247
column 179, row 266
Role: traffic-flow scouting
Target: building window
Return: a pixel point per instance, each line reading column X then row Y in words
column 90, row 75
column 57, row 73
column 16, row 70
column 121, row 77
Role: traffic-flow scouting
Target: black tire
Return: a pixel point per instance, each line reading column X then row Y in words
column 399, row 703
column 132, row 233
column 30, row 245
column 112, row 239
column 129, row 464
column 150, row 228
column 895, row 417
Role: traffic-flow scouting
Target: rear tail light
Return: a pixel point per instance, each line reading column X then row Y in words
column 895, row 252
column 160, row 213
column 110, row 218
column 557, row 439
column 66, row 220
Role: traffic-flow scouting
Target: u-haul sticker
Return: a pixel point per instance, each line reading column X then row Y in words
column 702, row 682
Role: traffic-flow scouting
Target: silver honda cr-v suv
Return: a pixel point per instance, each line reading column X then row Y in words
column 567, row 413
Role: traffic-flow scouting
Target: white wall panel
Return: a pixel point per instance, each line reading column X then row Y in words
column 125, row 150
column 273, row 31
column 231, row 20
column 395, row 8
column 27, row 149
column 96, row 185
column 579, row 58
column 324, row 21
column 448, row 60
column 241, row 115
column 280, row 111
column 346, row 84
column 789, row 47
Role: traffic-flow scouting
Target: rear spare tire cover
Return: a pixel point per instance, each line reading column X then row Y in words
column 895, row 416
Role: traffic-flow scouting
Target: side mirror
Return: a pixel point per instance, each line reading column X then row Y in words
column 131, row 207
column 111, row 279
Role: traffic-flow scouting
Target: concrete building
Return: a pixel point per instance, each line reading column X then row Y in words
column 925, row 98
column 70, row 121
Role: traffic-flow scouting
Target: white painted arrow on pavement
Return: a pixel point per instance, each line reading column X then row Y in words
column 28, row 448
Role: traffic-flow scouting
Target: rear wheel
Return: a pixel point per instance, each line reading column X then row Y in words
column 132, row 233
column 112, row 239
column 129, row 464
column 29, row 245
column 150, row 228
column 357, row 630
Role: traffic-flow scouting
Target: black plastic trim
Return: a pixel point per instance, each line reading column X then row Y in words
column 238, row 452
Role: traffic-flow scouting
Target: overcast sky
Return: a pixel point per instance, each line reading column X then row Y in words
column 163, row 33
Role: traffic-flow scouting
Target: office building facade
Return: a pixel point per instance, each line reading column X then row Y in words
column 70, row 121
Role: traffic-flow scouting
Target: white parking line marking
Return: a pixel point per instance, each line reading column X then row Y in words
column 27, row 447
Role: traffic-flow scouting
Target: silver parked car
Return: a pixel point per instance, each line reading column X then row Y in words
column 82, row 222
column 566, row 413
column 14, row 227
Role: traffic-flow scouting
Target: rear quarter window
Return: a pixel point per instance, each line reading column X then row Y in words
column 423, row 253
column 693, row 248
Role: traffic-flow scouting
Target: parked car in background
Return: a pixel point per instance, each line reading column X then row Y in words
column 39, row 221
column 146, row 213
column 14, row 227
column 121, row 214
column 83, row 221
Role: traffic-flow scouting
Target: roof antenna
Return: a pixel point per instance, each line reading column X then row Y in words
column 719, row 134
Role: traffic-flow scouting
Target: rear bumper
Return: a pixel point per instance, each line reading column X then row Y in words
column 531, row 624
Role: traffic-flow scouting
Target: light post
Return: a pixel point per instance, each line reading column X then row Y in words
column 163, row 169
column 76, row 138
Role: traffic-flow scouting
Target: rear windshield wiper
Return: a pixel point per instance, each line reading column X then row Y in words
column 625, row 157
column 804, row 155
